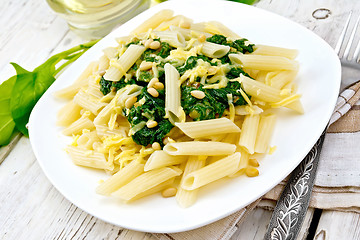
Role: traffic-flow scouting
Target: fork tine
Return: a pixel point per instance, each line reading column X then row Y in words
column 351, row 39
column 357, row 50
column 342, row 35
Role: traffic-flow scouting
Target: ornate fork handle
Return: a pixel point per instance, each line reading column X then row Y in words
column 291, row 209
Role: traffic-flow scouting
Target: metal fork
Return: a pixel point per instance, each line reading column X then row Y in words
column 345, row 58
column 291, row 208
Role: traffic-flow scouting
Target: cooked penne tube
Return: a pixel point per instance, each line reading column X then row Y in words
column 154, row 21
column 158, row 188
column 265, row 130
column 199, row 148
column 178, row 21
column 275, row 51
column 76, row 127
column 186, row 198
column 212, row 172
column 145, row 182
column 88, row 158
column 269, row 94
column 249, row 132
column 70, row 91
column 205, row 128
column 118, row 68
column 159, row 159
column 174, row 38
column 173, row 107
column 244, row 162
column 68, row 114
column 280, row 78
column 219, row 28
column 88, row 102
column 266, row 63
column 214, row 50
column 122, row 177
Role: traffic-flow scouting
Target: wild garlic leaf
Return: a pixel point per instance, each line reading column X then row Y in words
column 19, row 94
column 7, row 125
column 28, row 89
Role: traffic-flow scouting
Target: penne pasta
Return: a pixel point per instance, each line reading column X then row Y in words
column 199, row 148
column 88, row 158
column 68, row 114
column 186, row 198
column 265, row 63
column 208, row 127
column 121, row 178
column 265, row 130
column 70, row 91
column 275, row 51
column 174, row 38
column 154, row 21
column 214, row 50
column 212, row 172
column 159, row 159
column 173, row 107
column 146, row 181
column 249, row 131
column 118, row 68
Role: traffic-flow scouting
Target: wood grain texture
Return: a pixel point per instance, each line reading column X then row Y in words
column 31, row 208
column 335, row 225
column 255, row 225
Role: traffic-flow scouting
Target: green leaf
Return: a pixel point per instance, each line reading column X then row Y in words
column 7, row 125
column 249, row 2
column 18, row 68
column 19, row 94
column 28, row 89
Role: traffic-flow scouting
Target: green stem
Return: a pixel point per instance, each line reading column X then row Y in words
column 71, row 60
column 60, row 56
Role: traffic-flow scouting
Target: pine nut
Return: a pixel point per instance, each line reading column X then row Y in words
column 185, row 24
column 130, row 101
column 152, row 82
column 159, row 85
column 202, row 38
column 145, row 65
column 169, row 192
column 102, row 72
column 154, row 45
column 156, row 146
column 151, row 124
column 152, row 91
column 251, row 172
column 197, row 94
column 254, row 163
column 167, row 140
column 148, row 42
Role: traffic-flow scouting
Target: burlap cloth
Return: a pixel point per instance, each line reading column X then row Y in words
column 337, row 184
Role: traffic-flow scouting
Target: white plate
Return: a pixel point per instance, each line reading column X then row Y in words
column 318, row 79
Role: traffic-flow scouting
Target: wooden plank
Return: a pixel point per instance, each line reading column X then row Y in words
column 29, row 33
column 334, row 225
column 31, row 208
column 256, row 224
column 5, row 150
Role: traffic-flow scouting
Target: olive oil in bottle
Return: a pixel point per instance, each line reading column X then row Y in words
column 96, row 18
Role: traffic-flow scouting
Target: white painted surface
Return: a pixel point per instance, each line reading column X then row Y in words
column 30, row 208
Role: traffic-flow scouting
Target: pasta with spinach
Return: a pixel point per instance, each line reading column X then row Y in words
column 177, row 99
